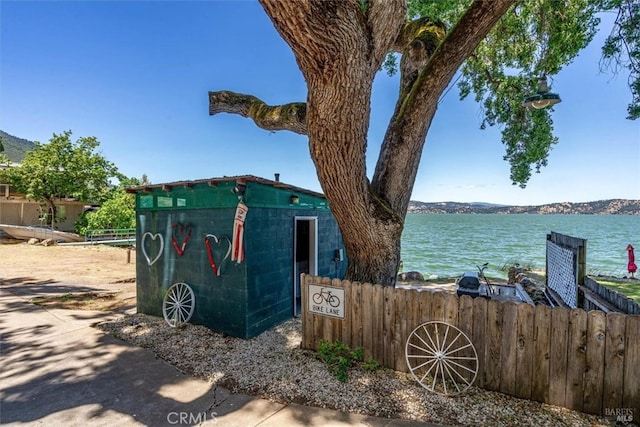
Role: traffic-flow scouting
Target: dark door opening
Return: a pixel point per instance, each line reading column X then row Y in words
column 305, row 255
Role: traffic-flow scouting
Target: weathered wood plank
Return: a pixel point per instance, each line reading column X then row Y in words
column 465, row 315
column 388, row 326
column 356, row 315
column 465, row 324
column 508, row 374
column 413, row 313
column 577, row 353
column 417, row 307
column 367, row 319
column 336, row 322
column 614, row 361
column 345, row 333
column 594, row 373
column 479, row 336
column 494, row 345
column 610, row 298
column 413, row 318
column 558, row 356
column 631, row 386
column 451, row 309
column 541, row 338
column 437, row 306
column 377, row 323
column 424, row 306
column 596, row 301
column 525, row 350
column 400, row 330
column 318, row 330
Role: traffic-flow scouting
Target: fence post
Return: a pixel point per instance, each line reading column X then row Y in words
column 542, row 340
column 558, row 356
column 614, row 361
column 594, row 373
column 631, row 386
column 508, row 374
column 495, row 331
column 525, row 349
column 577, row 346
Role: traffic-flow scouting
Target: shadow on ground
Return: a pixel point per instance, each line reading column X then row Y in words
column 60, row 371
column 29, row 286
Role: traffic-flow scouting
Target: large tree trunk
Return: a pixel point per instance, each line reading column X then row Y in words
column 340, row 46
column 339, row 57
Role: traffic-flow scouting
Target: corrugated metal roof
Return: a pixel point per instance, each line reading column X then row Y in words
column 240, row 179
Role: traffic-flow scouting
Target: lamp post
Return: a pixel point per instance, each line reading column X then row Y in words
column 543, row 98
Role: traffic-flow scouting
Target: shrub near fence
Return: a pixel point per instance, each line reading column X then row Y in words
column 588, row 362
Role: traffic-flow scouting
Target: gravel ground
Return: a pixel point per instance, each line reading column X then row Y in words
column 273, row 366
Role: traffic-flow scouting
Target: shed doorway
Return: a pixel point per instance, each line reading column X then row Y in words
column 305, row 255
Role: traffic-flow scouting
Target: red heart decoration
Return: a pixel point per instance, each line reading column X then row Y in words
column 212, row 263
column 183, row 233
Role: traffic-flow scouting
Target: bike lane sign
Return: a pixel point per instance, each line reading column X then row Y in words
column 326, row 301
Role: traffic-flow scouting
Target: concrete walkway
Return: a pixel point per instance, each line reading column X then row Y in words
column 56, row 369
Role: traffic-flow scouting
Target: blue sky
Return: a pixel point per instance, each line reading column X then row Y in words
column 136, row 74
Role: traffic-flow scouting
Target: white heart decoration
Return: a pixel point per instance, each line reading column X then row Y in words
column 144, row 251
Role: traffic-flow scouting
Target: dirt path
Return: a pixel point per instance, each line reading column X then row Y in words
column 78, row 277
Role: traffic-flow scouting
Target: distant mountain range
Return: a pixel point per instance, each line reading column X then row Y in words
column 600, row 207
column 15, row 148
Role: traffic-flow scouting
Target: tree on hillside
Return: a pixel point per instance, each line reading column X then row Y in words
column 4, row 159
column 500, row 49
column 63, row 169
column 117, row 211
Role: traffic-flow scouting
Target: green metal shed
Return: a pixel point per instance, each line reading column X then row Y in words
column 237, row 244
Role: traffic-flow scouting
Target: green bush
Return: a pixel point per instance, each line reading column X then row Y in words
column 339, row 358
column 117, row 212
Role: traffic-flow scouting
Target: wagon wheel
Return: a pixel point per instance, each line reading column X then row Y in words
column 441, row 358
column 178, row 304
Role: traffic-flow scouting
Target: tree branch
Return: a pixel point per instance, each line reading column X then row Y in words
column 401, row 150
column 292, row 117
column 426, row 29
column 384, row 19
column 417, row 42
column 459, row 44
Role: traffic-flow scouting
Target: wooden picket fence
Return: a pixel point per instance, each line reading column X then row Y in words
column 586, row 361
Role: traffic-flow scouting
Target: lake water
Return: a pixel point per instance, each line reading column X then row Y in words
column 446, row 245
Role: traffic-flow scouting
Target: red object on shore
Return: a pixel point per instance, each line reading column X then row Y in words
column 632, row 267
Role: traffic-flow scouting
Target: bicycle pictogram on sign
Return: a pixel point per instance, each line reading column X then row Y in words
column 326, row 301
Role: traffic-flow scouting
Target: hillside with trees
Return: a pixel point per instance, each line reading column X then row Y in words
column 600, row 207
column 15, row 148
